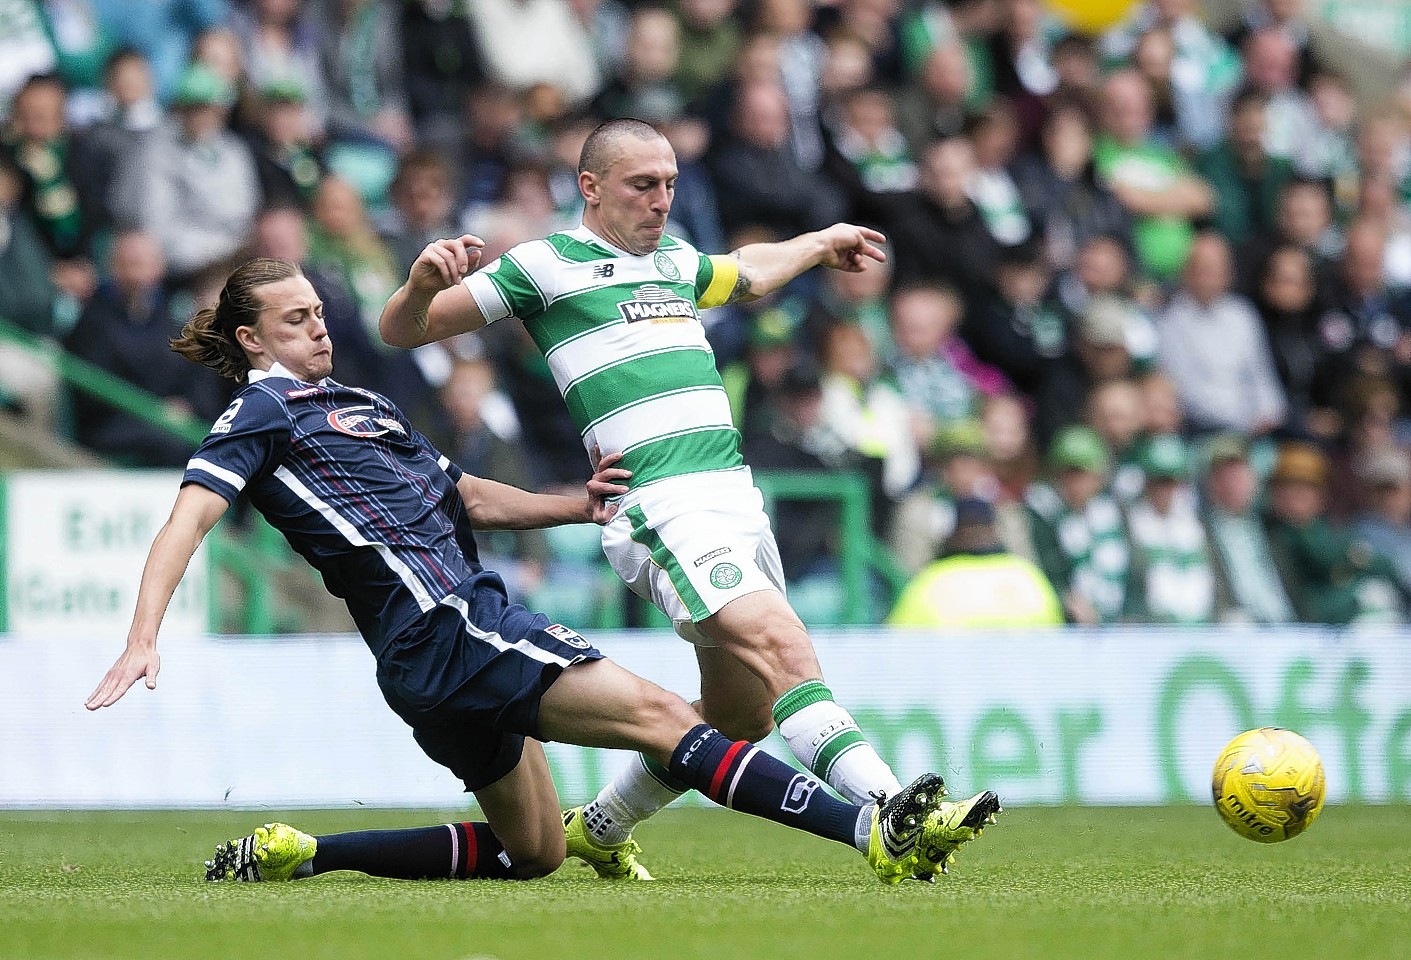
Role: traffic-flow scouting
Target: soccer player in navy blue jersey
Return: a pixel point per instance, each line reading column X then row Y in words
column 389, row 522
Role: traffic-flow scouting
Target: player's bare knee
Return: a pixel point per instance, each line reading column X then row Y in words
column 663, row 713
column 540, row 860
column 742, row 724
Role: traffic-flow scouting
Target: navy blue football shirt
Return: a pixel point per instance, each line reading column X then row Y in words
column 356, row 490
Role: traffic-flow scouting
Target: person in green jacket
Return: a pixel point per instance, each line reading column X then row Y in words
column 1330, row 576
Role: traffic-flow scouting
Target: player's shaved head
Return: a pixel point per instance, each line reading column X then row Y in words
column 606, row 144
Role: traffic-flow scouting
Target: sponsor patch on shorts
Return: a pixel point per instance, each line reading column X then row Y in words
column 712, row 555
column 564, row 635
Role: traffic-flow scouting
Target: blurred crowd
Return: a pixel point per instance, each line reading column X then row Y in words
column 1145, row 325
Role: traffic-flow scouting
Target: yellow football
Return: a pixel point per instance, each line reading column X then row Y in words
column 1268, row 784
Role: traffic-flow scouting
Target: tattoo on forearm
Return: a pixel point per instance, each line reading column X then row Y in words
column 742, row 281
column 421, row 319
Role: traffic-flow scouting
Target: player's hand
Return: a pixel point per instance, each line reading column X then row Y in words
column 134, row 664
column 444, row 263
column 603, row 485
column 847, row 247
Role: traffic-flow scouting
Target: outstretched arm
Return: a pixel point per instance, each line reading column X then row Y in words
column 192, row 517
column 498, row 506
column 433, row 304
column 765, row 267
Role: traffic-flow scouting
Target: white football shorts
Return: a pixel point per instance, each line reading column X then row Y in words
column 692, row 544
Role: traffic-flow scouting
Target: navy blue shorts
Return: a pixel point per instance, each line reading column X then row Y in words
column 467, row 678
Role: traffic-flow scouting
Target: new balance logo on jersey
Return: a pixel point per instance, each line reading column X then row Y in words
column 651, row 302
column 602, row 271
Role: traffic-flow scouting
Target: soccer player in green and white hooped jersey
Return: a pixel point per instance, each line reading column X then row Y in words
column 612, row 304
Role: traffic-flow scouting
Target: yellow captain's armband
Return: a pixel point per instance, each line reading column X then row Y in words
column 725, row 272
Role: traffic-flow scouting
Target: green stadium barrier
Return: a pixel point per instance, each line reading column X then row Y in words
column 861, row 555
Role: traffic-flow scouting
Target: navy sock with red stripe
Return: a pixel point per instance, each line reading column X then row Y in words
column 739, row 775
column 457, row 850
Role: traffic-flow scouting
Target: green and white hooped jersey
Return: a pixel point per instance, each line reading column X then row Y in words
column 625, row 344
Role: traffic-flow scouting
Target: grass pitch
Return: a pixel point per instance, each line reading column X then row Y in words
column 1054, row 883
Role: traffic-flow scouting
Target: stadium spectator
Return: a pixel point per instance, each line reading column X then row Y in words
column 644, row 85
column 195, row 186
column 1248, row 588
column 848, row 67
column 975, row 583
column 801, row 53
column 164, row 30
column 423, row 205
column 859, row 298
column 1017, row 328
column 865, row 409
column 63, row 188
column 1330, row 577
column 1114, row 411
column 1371, row 422
column 606, row 23
column 1012, row 450
column 1378, row 203
column 994, row 135
column 1214, row 349
column 26, row 50
column 1098, row 352
column 1287, row 16
column 1329, row 153
column 957, row 466
column 1204, row 70
column 506, row 29
column 869, row 155
column 1152, row 182
column 280, row 41
column 710, row 40
column 1271, row 67
column 1080, row 540
column 757, row 177
column 129, row 115
column 287, row 158
column 937, row 233
column 1382, row 144
column 1169, row 548
column 483, row 431
column 442, row 63
column 799, row 438
column 1305, row 220
column 938, row 105
column 1066, row 202
column 1161, row 408
column 28, row 297
column 1287, row 300
column 696, row 209
column 125, row 329
column 1246, row 177
column 369, row 121
column 1367, row 328
column 1384, row 522
column 492, row 144
column 932, row 366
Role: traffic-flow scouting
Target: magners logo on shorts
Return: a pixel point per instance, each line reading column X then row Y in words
column 658, row 305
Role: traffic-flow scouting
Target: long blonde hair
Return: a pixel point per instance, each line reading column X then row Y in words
column 208, row 338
